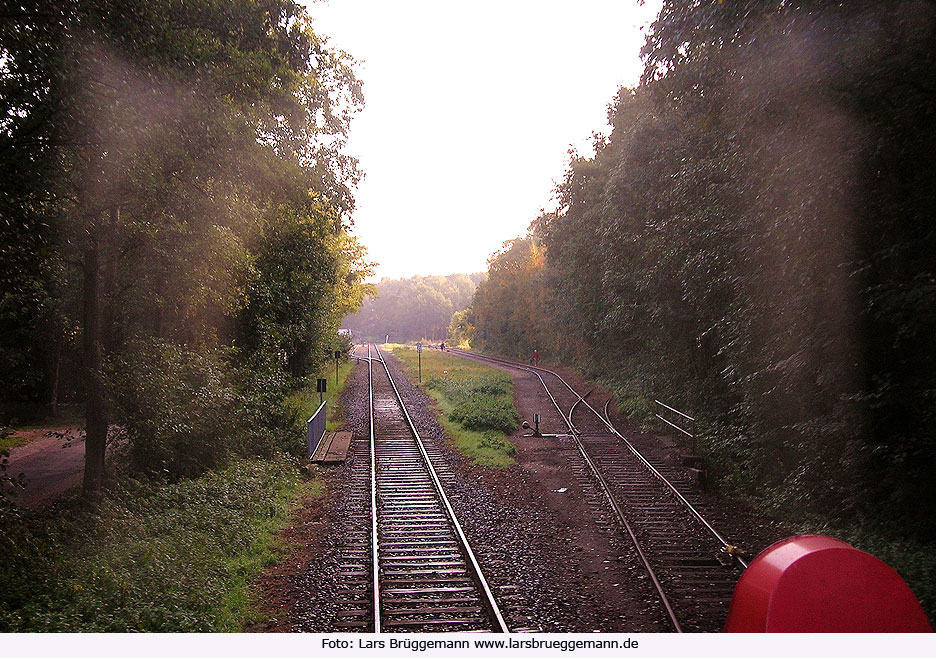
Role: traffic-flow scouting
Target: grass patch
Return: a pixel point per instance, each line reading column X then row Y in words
column 10, row 440
column 476, row 403
column 152, row 557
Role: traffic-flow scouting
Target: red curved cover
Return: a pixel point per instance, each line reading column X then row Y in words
column 817, row 584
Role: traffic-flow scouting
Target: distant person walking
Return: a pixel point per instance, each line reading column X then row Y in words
column 443, row 346
column 535, row 358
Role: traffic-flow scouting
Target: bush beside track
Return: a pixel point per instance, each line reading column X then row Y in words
column 152, row 556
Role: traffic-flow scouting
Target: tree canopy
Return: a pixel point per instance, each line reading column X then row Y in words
column 171, row 171
column 417, row 308
column 753, row 241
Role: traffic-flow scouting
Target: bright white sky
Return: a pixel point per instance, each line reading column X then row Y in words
column 470, row 110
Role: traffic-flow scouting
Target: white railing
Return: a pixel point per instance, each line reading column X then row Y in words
column 315, row 429
column 682, row 418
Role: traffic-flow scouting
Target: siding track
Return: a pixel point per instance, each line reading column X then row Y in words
column 657, row 506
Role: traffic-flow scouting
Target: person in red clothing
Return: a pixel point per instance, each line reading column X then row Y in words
column 535, row 358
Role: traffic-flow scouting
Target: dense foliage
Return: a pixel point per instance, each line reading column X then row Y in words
column 754, row 242
column 506, row 314
column 167, row 559
column 417, row 308
column 173, row 187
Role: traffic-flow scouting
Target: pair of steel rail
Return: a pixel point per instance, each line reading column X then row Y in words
column 392, row 474
column 383, row 605
column 603, row 484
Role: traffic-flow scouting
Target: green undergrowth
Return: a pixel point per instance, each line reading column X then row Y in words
column 730, row 459
column 303, row 403
column 152, row 557
column 475, row 401
column 727, row 455
column 9, row 440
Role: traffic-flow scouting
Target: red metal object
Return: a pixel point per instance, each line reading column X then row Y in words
column 817, row 584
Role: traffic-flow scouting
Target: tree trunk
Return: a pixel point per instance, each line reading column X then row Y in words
column 95, row 413
column 53, row 401
column 106, row 304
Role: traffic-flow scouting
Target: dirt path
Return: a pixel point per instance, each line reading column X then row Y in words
column 51, row 463
column 554, row 469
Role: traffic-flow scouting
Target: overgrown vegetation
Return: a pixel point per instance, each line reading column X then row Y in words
column 175, row 252
column 152, row 557
column 175, row 259
column 753, row 243
column 476, row 402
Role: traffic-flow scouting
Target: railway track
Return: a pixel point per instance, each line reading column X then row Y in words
column 407, row 565
column 657, row 506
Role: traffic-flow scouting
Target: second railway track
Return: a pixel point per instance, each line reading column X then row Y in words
column 669, row 525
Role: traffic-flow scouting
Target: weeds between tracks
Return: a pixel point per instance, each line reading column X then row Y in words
column 476, row 404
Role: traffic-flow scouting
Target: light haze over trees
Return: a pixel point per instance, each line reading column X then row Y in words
column 753, row 241
column 417, row 308
column 175, row 196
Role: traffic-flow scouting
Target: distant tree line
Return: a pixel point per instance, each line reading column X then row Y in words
column 754, row 241
column 174, row 195
column 417, row 308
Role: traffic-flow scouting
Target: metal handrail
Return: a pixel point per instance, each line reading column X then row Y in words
column 674, row 425
column 627, row 443
column 605, row 488
column 686, row 416
column 315, row 429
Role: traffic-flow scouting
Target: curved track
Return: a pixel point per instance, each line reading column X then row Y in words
column 414, row 558
column 657, row 506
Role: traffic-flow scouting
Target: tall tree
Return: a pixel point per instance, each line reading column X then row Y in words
column 753, row 241
column 167, row 132
column 508, row 309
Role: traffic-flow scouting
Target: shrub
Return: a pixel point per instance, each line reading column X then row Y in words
column 179, row 406
column 485, row 412
column 462, row 388
column 268, row 424
column 187, row 410
column 481, row 402
column 151, row 557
